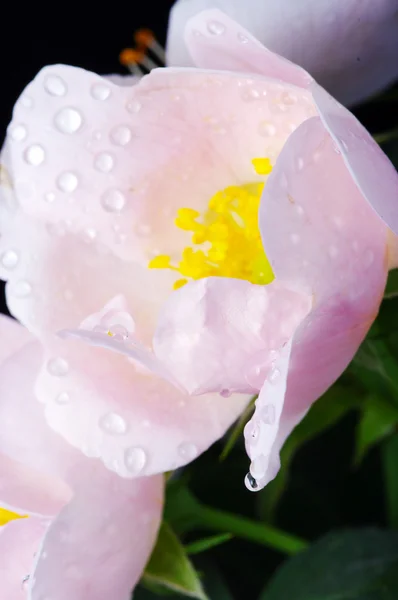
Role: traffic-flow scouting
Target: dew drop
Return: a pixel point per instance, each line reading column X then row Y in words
column 251, row 483
column 188, row 451
column 242, row 38
column 104, row 162
column 57, row 366
column 251, row 432
column 134, row 106
column 55, row 85
column 225, row 393
column 215, row 27
column 68, row 120
column 18, row 133
column 113, row 201
column 25, row 582
column 274, row 375
column 135, row 459
column 113, row 424
column 22, row 289
column 268, row 414
column 62, row 398
column 9, row 259
column 121, row 135
column 266, row 129
column 67, row 182
column 100, row 91
column 35, row 155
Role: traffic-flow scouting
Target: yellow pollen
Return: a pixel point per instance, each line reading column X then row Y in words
column 7, row 515
column 226, row 240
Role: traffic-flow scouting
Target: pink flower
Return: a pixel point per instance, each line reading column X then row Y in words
column 96, row 174
column 89, row 533
column 348, row 46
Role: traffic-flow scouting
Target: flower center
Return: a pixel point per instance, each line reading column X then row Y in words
column 7, row 515
column 226, row 240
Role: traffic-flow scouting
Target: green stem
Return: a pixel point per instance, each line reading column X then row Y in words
column 386, row 136
column 248, row 529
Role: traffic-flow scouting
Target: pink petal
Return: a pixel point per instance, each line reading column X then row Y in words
column 338, row 254
column 356, row 42
column 217, row 42
column 98, row 546
column 19, row 540
column 220, row 334
column 370, row 168
column 12, row 337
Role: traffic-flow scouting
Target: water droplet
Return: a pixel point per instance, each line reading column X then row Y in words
column 135, row 459
column 258, row 467
column 121, row 135
column 268, row 414
column 55, row 85
column 251, row 483
column 104, row 162
column 294, row 238
column 35, row 155
column 215, row 27
column 113, row 201
column 333, row 251
column 26, row 101
column 274, row 375
column 68, row 120
column 188, row 451
column 134, row 106
column 22, row 289
column 49, row 197
column 67, row 182
column 242, row 38
column 249, row 94
column 18, row 133
column 89, row 234
column 57, row 366
column 113, row 424
column 119, row 332
column 25, row 582
column 9, row 259
column 266, row 129
column 100, row 91
column 251, row 432
column 225, row 393
column 62, row 398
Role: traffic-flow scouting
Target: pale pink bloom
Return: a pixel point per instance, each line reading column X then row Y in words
column 96, row 174
column 349, row 46
column 89, row 533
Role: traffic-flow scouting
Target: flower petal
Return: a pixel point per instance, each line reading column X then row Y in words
column 97, row 547
column 370, row 168
column 220, row 334
column 12, row 337
column 19, row 541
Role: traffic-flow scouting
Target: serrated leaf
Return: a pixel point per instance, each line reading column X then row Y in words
column 377, row 421
column 348, row 565
column 170, row 568
column 207, row 543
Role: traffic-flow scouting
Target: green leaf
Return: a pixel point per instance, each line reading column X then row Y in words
column 377, row 421
column 391, row 290
column 237, row 429
column 336, row 402
column 348, row 565
column 207, row 543
column 170, row 568
column 390, row 466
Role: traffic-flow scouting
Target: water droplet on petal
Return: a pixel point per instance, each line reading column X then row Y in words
column 113, row 201
column 18, row 133
column 9, row 259
column 268, row 414
column 35, row 155
column 22, row 289
column 25, row 582
column 104, row 162
column 251, row 432
column 58, row 366
column 62, row 398
column 113, row 424
column 55, row 85
column 119, row 332
column 242, row 38
column 67, row 182
column 188, row 451
column 121, row 135
column 68, row 120
column 135, row 459
column 134, row 106
column 274, row 375
column 258, row 467
column 100, row 91
column 225, row 393
column 215, row 27
column 251, row 483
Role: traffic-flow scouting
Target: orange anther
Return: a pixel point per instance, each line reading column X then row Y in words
column 129, row 56
column 144, row 38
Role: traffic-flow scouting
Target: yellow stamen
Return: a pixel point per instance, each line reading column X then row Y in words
column 7, row 515
column 226, row 239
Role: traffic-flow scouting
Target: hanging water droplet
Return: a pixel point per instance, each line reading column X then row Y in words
column 215, row 27
column 251, row 483
column 113, row 424
column 55, row 85
column 188, row 451
column 121, row 135
column 134, row 106
column 68, row 120
column 9, row 259
column 104, row 162
column 113, row 201
column 22, row 289
column 67, row 182
column 135, row 459
column 62, row 398
column 268, row 414
column 225, row 393
column 100, row 91
column 35, row 155
column 18, row 133
column 58, row 366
